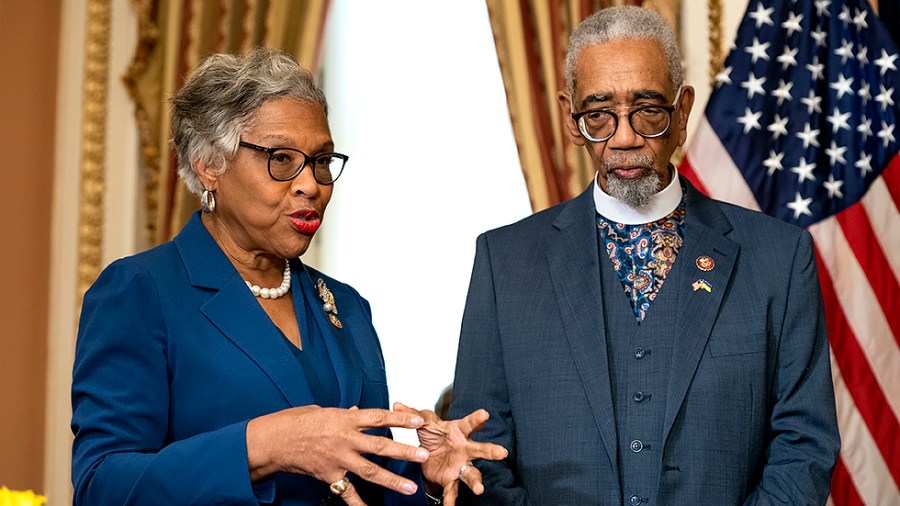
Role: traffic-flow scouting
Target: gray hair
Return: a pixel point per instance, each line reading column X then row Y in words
column 624, row 22
column 218, row 101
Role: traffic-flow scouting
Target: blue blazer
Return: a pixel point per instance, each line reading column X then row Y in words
column 749, row 407
column 175, row 356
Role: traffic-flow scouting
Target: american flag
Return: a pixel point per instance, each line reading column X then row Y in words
column 802, row 125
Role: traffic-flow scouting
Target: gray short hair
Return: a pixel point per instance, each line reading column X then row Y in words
column 218, row 101
column 624, row 22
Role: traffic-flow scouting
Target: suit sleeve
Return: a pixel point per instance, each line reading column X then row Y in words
column 804, row 440
column 120, row 399
column 480, row 382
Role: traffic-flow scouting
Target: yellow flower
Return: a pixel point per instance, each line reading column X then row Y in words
column 15, row 498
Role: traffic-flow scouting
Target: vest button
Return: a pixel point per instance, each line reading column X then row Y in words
column 637, row 446
column 638, row 396
column 635, row 500
column 639, row 353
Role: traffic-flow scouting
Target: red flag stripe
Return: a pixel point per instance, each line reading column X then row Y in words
column 891, row 176
column 864, row 242
column 858, row 302
column 843, row 491
column 716, row 170
column 860, row 450
column 869, row 404
column 687, row 170
column 885, row 218
column 861, row 387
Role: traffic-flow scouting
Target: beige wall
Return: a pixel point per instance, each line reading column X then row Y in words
column 28, row 65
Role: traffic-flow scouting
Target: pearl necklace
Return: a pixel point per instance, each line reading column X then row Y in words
column 274, row 293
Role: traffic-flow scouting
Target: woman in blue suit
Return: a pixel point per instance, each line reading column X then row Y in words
column 218, row 368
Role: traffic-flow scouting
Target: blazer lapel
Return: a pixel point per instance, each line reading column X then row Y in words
column 339, row 342
column 573, row 259
column 704, row 236
column 233, row 310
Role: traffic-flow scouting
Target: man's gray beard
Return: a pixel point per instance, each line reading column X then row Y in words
column 635, row 193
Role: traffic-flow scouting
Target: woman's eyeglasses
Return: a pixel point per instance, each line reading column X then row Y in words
column 287, row 163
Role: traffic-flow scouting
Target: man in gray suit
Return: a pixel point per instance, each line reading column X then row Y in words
column 642, row 343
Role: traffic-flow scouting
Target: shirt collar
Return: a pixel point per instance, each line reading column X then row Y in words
column 660, row 205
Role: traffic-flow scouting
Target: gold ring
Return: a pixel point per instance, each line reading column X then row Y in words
column 462, row 469
column 340, row 486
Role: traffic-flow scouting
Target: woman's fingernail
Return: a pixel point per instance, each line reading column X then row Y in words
column 422, row 454
column 410, row 488
column 417, row 421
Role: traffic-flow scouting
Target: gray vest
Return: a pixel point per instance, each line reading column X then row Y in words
column 639, row 360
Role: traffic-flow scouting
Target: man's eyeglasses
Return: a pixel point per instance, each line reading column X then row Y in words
column 648, row 121
column 287, row 163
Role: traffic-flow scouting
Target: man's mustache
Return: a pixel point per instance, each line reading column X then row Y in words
column 628, row 162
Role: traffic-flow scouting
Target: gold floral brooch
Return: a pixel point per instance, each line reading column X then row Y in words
column 328, row 303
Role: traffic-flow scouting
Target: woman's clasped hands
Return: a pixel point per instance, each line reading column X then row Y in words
column 329, row 443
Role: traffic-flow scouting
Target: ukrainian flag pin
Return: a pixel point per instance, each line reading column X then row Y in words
column 702, row 284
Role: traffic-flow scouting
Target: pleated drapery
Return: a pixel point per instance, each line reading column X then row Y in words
column 174, row 36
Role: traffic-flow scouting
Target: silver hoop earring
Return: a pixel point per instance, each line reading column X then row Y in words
column 208, row 201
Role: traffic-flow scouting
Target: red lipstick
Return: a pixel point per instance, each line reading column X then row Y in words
column 306, row 221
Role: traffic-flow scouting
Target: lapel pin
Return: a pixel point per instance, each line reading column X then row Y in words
column 328, row 303
column 705, row 263
column 702, row 284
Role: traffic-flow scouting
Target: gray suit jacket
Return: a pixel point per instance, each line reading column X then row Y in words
column 749, row 407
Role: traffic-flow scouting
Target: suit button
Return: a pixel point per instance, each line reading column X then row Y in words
column 637, row 446
column 639, row 354
column 638, row 396
column 635, row 500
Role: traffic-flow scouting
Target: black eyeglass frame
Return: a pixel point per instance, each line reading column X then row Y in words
column 306, row 160
column 669, row 109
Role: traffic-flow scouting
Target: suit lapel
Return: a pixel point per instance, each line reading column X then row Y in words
column 233, row 310
column 704, row 236
column 573, row 260
column 251, row 330
column 344, row 355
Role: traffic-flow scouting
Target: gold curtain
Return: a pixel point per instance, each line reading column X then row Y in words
column 174, row 35
column 531, row 38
